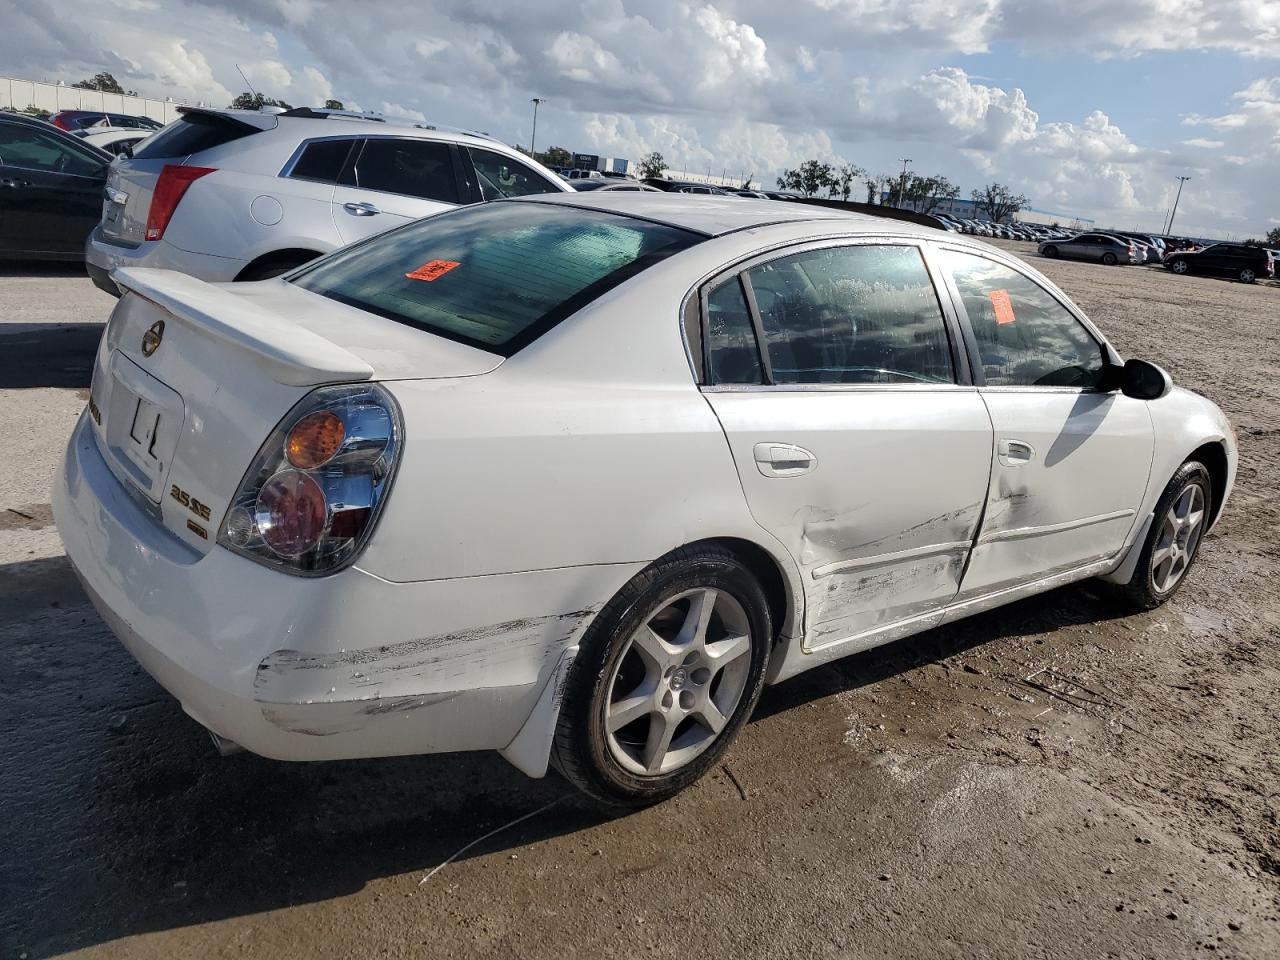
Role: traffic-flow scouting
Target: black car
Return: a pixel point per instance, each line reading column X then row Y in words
column 1235, row 260
column 50, row 191
column 71, row 120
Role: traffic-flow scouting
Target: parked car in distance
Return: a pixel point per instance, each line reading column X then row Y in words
column 347, row 529
column 76, row 120
column 632, row 186
column 50, row 190
column 116, row 141
column 1235, row 260
column 242, row 195
column 1100, row 247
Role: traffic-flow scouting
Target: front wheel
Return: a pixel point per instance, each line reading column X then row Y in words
column 1178, row 266
column 1181, row 518
column 1051, row 252
column 1247, row 275
column 1109, row 259
column 667, row 675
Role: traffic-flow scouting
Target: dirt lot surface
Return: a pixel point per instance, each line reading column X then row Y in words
column 1052, row 779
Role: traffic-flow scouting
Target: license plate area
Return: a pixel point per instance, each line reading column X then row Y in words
column 142, row 426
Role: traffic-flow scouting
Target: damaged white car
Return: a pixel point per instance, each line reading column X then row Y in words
column 572, row 477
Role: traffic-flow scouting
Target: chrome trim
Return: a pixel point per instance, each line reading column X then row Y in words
column 1023, row 533
column 836, row 387
column 913, row 553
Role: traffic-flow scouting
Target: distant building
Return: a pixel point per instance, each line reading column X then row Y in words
column 1048, row 218
column 968, row 210
column 591, row 161
column 688, row 175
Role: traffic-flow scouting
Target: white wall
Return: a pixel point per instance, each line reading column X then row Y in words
column 18, row 94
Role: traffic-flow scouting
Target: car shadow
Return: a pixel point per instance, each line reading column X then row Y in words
column 121, row 821
column 48, row 355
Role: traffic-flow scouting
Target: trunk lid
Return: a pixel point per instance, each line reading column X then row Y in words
column 192, row 377
column 127, row 200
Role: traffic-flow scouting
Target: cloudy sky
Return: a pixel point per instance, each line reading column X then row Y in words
column 1089, row 107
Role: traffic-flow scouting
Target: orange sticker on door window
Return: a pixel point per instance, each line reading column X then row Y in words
column 1003, row 306
column 432, row 270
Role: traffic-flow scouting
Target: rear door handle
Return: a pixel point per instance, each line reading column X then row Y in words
column 361, row 209
column 8, row 182
column 1014, row 453
column 784, row 459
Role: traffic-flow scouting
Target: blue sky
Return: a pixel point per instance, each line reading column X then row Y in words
column 1091, row 107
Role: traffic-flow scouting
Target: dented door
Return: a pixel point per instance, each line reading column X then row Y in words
column 882, row 523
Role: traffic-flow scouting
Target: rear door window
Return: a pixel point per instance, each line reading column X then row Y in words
column 501, row 176
column 412, row 168
column 322, row 160
column 495, row 276
column 732, row 354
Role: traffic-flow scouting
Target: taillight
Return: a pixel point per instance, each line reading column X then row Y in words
column 173, row 183
column 311, row 496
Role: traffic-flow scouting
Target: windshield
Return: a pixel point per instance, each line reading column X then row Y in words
column 496, row 276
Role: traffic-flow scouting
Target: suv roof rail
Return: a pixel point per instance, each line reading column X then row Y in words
column 321, row 113
column 448, row 129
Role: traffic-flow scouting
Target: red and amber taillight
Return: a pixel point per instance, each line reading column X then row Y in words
column 170, row 188
column 312, row 495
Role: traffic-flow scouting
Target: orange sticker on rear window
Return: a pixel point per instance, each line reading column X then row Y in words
column 1003, row 306
column 432, row 270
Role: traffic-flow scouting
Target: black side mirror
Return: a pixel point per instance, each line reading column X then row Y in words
column 1140, row 379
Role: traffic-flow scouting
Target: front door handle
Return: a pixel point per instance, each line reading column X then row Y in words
column 9, row 182
column 361, row 209
column 1015, row 453
column 784, row 460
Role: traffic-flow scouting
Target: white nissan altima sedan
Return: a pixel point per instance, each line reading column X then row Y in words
column 572, row 477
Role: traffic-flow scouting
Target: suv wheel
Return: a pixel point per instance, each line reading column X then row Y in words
column 1178, row 265
column 1248, row 275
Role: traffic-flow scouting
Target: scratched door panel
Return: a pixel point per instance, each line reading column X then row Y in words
column 883, row 522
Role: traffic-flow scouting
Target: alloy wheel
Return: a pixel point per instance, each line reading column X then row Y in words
column 1179, row 266
column 1247, row 275
column 1180, row 533
column 678, row 682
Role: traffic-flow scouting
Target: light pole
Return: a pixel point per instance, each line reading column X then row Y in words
column 1181, row 181
column 902, row 184
column 533, row 137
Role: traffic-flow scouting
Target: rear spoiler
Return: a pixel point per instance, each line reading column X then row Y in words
column 288, row 353
column 249, row 120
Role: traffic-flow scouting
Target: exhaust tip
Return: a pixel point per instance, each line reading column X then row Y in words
column 224, row 746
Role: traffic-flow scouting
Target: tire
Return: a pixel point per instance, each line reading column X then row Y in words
column 267, row 269
column 678, row 686
column 1178, row 266
column 1248, row 275
column 1110, row 259
column 1051, row 252
column 1153, row 583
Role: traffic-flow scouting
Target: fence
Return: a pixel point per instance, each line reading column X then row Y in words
column 18, row 94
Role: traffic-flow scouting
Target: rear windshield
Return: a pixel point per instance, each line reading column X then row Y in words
column 495, row 276
column 192, row 134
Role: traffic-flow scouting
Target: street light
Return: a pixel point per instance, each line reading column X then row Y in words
column 1181, row 181
column 902, row 185
column 533, row 138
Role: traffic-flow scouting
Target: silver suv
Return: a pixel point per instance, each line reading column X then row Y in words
column 238, row 195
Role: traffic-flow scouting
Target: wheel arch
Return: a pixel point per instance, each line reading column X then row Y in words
column 283, row 255
column 1214, row 456
column 786, row 603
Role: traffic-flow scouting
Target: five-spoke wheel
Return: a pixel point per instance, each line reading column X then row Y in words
column 1180, row 531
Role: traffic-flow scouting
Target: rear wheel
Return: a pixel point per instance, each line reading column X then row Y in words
column 1109, row 259
column 1051, row 252
column 1248, row 275
column 1178, row 266
column 667, row 675
column 1181, row 518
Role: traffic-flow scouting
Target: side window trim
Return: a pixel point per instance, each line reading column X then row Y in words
column 1109, row 355
column 954, row 320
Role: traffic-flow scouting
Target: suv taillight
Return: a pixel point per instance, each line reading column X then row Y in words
column 311, row 497
column 173, row 183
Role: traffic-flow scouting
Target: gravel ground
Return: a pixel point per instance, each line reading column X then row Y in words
column 1052, row 779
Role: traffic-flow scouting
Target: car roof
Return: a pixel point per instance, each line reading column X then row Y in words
column 715, row 216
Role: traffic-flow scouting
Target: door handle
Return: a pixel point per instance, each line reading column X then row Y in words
column 784, row 460
column 1014, row 453
column 8, row 182
column 361, row 209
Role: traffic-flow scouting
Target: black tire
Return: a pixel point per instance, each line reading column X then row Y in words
column 1248, row 275
column 267, row 269
column 1051, row 252
column 580, row 749
column 1110, row 259
column 1175, row 263
column 1141, row 592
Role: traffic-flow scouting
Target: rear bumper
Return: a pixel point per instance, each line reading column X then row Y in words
column 102, row 257
column 318, row 668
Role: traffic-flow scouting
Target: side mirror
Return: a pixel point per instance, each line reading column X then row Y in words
column 1143, row 380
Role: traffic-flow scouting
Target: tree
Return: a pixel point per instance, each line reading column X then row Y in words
column 925, row 194
column 556, row 157
column 651, row 165
column 841, row 183
column 810, row 177
column 332, row 104
column 1273, row 238
column 104, row 82
column 256, row 101
column 998, row 202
